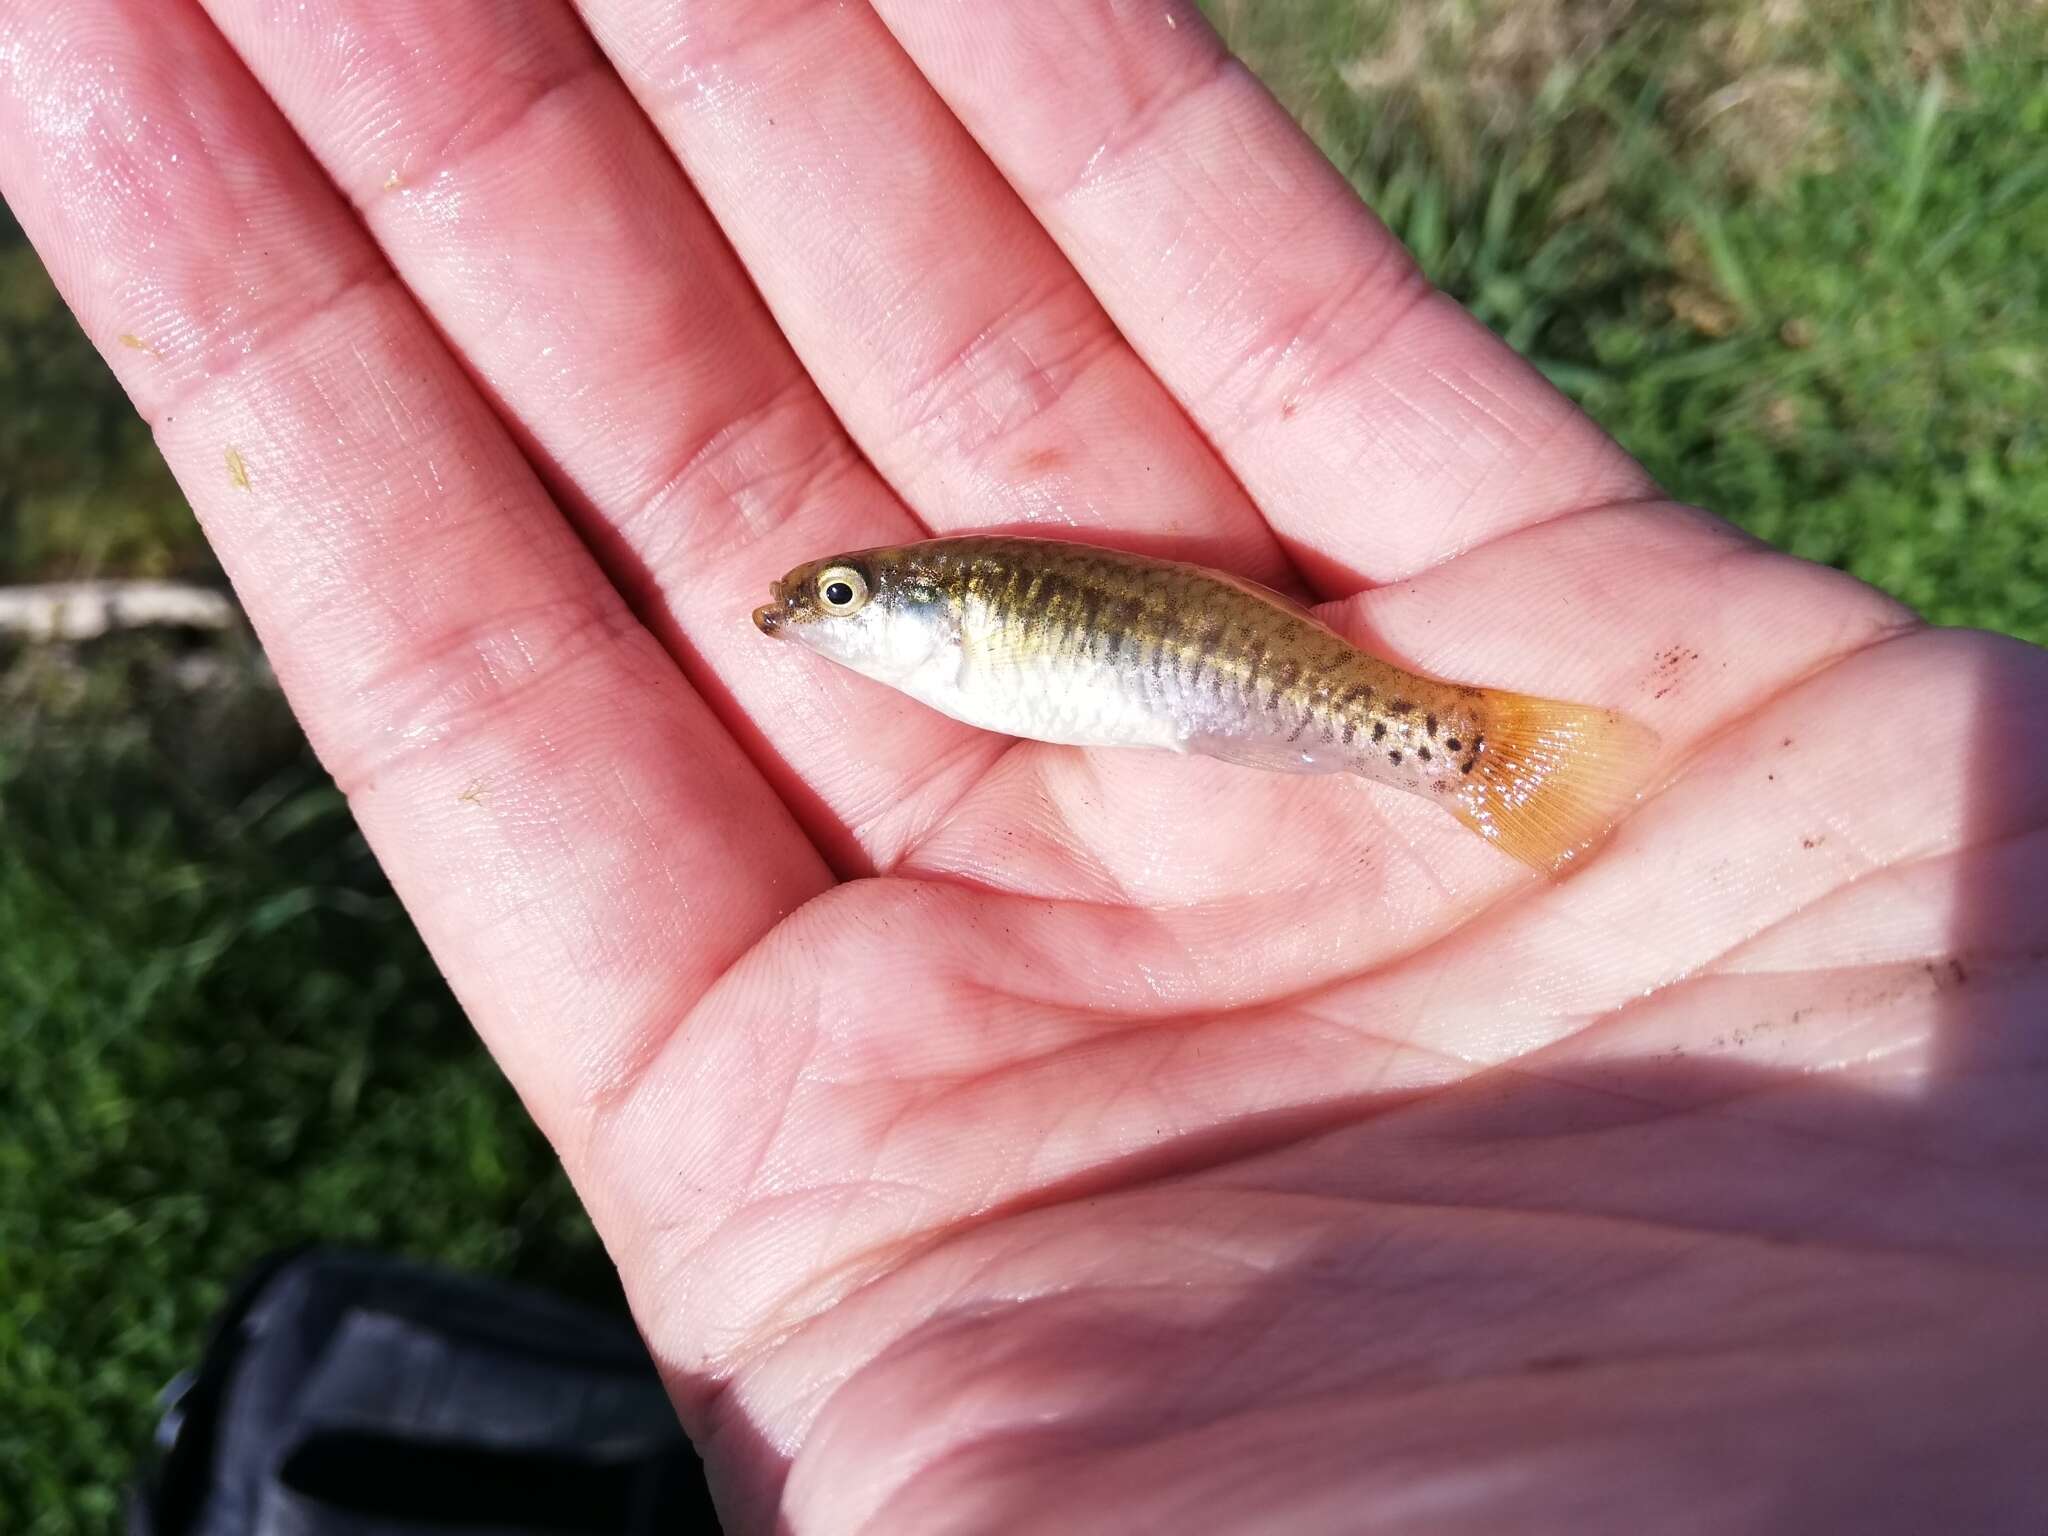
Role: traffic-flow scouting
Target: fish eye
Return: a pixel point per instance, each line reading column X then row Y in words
column 841, row 589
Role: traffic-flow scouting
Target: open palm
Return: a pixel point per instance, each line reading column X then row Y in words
column 1000, row 1137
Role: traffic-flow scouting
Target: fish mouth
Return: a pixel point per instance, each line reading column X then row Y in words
column 770, row 617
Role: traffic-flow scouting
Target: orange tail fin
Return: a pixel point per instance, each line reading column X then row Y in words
column 1552, row 778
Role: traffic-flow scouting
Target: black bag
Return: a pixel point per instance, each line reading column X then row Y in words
column 351, row 1394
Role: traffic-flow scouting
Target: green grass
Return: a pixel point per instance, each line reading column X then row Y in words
column 1801, row 271
column 82, row 491
column 1796, row 257
column 218, row 1035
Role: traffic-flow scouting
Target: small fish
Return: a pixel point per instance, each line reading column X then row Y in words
column 1093, row 647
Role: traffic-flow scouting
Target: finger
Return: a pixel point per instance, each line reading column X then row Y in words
column 1370, row 417
column 962, row 351
column 512, row 182
column 581, row 844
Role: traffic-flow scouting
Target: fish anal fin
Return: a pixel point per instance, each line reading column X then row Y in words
column 1273, row 756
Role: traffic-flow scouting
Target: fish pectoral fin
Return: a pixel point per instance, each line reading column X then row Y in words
column 1273, row 756
column 990, row 656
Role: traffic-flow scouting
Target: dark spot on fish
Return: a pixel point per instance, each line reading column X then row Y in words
column 1379, row 730
column 1394, row 756
column 1091, row 611
column 1429, row 725
column 1453, row 743
column 1478, row 745
column 1401, row 706
column 1423, row 753
column 1468, row 765
column 1344, row 706
column 1289, row 675
column 1258, row 665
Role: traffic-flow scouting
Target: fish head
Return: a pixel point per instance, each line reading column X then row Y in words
column 880, row 612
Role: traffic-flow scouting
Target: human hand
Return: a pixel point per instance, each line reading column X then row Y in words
column 1001, row 1137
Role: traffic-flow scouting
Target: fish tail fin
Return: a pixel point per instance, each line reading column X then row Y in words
column 1549, row 779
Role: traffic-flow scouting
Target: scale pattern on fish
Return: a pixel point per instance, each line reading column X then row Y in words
column 1091, row 647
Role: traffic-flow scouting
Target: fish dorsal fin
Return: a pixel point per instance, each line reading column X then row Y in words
column 1279, row 600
